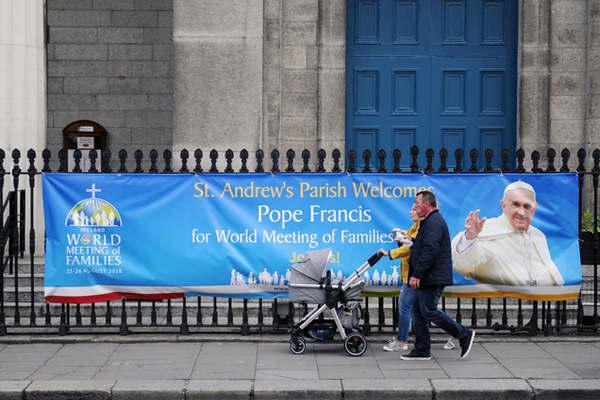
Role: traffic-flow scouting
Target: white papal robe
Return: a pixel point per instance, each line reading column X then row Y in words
column 500, row 255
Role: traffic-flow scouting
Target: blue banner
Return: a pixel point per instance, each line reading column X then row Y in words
column 112, row 236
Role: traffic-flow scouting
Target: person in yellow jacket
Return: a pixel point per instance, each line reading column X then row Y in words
column 407, row 294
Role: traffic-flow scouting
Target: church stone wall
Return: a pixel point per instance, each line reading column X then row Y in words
column 111, row 61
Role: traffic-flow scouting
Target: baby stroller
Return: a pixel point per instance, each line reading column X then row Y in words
column 310, row 283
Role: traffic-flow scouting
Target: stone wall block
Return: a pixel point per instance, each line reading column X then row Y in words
column 272, row 103
column 300, row 10
column 332, row 91
column 113, row 4
column 74, row 18
column 87, row 68
column 567, row 131
column 299, row 33
column 294, row 80
column 158, row 35
column 298, row 127
column 272, row 9
column 111, row 118
column 86, row 85
column 55, row 85
column 55, row 135
column 567, row 107
column 333, row 22
column 81, row 52
column 134, row 18
column 216, row 79
column 157, row 85
column 153, row 4
column 566, row 83
column 151, row 135
column 594, row 79
column 72, row 102
column 332, row 57
column 594, row 107
column 240, row 18
column 128, row 102
column 165, row 19
column 294, row 57
column 272, row 77
column 149, row 119
column 530, row 26
column 568, row 35
column 271, row 55
column 271, row 126
column 129, row 52
column 569, row 11
column 149, row 69
column 50, row 52
column 272, row 31
column 165, row 103
column 73, row 35
column 121, row 35
column 568, row 59
column 533, row 108
column 299, row 104
column 162, row 52
column 69, row 4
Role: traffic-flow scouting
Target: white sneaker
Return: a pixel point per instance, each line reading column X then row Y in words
column 449, row 345
column 395, row 345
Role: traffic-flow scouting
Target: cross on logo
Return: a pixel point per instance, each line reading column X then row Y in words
column 93, row 190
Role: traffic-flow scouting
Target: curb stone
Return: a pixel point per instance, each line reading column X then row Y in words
column 218, row 389
column 64, row 389
column 12, row 390
column 555, row 389
column 369, row 389
column 298, row 389
column 477, row 389
column 149, row 390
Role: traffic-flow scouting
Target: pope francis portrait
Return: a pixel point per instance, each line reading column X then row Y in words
column 506, row 250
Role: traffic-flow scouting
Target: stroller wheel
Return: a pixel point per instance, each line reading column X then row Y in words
column 355, row 344
column 297, row 345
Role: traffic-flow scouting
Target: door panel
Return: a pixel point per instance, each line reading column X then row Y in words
column 432, row 73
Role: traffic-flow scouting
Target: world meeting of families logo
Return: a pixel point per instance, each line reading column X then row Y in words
column 93, row 237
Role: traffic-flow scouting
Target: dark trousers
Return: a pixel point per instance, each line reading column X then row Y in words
column 426, row 310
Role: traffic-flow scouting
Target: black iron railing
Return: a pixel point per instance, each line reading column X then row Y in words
column 22, row 308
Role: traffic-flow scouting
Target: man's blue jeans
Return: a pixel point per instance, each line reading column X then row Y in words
column 405, row 310
column 425, row 311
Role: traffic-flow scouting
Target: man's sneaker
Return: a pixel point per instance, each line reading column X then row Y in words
column 466, row 344
column 416, row 355
column 449, row 345
column 395, row 345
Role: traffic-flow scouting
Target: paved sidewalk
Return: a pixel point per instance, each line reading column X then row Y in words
column 511, row 369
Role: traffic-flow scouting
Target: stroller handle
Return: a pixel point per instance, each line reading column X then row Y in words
column 374, row 259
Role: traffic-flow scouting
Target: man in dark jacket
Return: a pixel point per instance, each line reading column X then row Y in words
column 430, row 270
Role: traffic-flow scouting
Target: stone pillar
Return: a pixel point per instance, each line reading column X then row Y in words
column 332, row 83
column 218, row 74
column 534, row 74
column 593, row 77
column 23, row 94
column 568, row 54
column 22, row 76
column 299, row 76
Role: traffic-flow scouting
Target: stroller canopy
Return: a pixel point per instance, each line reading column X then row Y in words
column 312, row 267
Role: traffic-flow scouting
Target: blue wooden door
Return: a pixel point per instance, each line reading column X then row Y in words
column 431, row 73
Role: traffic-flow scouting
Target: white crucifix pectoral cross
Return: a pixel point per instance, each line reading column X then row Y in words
column 93, row 190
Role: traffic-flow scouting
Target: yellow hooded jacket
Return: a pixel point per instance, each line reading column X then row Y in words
column 403, row 253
